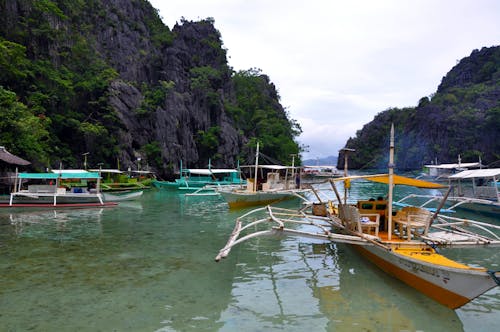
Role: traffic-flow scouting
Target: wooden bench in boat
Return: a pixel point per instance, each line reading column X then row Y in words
column 412, row 218
column 359, row 222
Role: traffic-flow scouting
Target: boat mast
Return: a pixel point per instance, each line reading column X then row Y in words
column 391, row 182
column 293, row 171
column 256, row 167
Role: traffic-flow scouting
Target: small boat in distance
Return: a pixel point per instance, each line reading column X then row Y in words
column 122, row 196
column 196, row 178
column 441, row 172
column 313, row 174
column 476, row 190
column 47, row 190
column 279, row 185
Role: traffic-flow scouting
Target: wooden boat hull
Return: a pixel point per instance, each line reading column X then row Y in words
column 452, row 284
column 246, row 199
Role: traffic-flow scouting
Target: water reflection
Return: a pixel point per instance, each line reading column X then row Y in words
column 60, row 225
column 319, row 286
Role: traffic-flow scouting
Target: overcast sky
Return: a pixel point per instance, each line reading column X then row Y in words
column 336, row 64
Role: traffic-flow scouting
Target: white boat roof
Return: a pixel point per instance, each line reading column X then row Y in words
column 453, row 166
column 107, row 170
column 203, row 171
column 69, row 171
column 477, row 173
column 321, row 167
column 274, row 167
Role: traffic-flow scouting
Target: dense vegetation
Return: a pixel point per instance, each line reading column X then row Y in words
column 57, row 69
column 257, row 113
column 461, row 118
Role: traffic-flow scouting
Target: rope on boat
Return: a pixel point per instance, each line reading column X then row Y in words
column 432, row 244
column 493, row 276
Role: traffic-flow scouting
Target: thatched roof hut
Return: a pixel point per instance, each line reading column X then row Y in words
column 9, row 158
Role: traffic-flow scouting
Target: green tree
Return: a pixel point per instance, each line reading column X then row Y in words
column 22, row 132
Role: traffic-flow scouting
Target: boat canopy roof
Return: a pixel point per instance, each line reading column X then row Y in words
column 477, row 173
column 203, row 171
column 321, row 167
column 107, row 170
column 273, row 167
column 61, row 175
column 397, row 180
column 454, row 166
column 142, row 172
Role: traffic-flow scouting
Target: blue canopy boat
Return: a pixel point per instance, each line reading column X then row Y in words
column 196, row 178
column 47, row 190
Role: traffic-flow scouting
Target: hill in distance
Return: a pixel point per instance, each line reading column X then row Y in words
column 330, row 160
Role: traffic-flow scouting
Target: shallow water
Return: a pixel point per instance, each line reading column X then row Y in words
column 149, row 266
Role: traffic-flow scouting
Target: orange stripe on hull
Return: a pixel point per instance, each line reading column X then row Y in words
column 439, row 294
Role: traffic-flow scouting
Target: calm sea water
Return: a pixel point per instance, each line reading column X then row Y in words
column 149, row 266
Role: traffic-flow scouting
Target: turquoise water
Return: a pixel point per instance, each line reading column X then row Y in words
column 149, row 266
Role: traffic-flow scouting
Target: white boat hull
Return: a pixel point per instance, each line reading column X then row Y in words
column 68, row 198
column 450, row 286
column 493, row 208
column 122, row 197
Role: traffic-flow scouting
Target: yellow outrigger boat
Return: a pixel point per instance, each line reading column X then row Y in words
column 403, row 244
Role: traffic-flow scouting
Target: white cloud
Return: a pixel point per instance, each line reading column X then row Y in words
column 337, row 64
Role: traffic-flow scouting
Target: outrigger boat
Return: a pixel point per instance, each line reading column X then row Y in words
column 317, row 174
column 123, row 196
column 50, row 192
column 275, row 188
column 441, row 172
column 192, row 179
column 404, row 244
column 480, row 195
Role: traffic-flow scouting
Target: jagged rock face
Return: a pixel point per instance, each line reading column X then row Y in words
column 174, row 124
column 123, row 39
column 480, row 66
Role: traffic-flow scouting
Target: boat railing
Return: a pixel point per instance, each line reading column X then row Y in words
column 213, row 189
column 449, row 230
